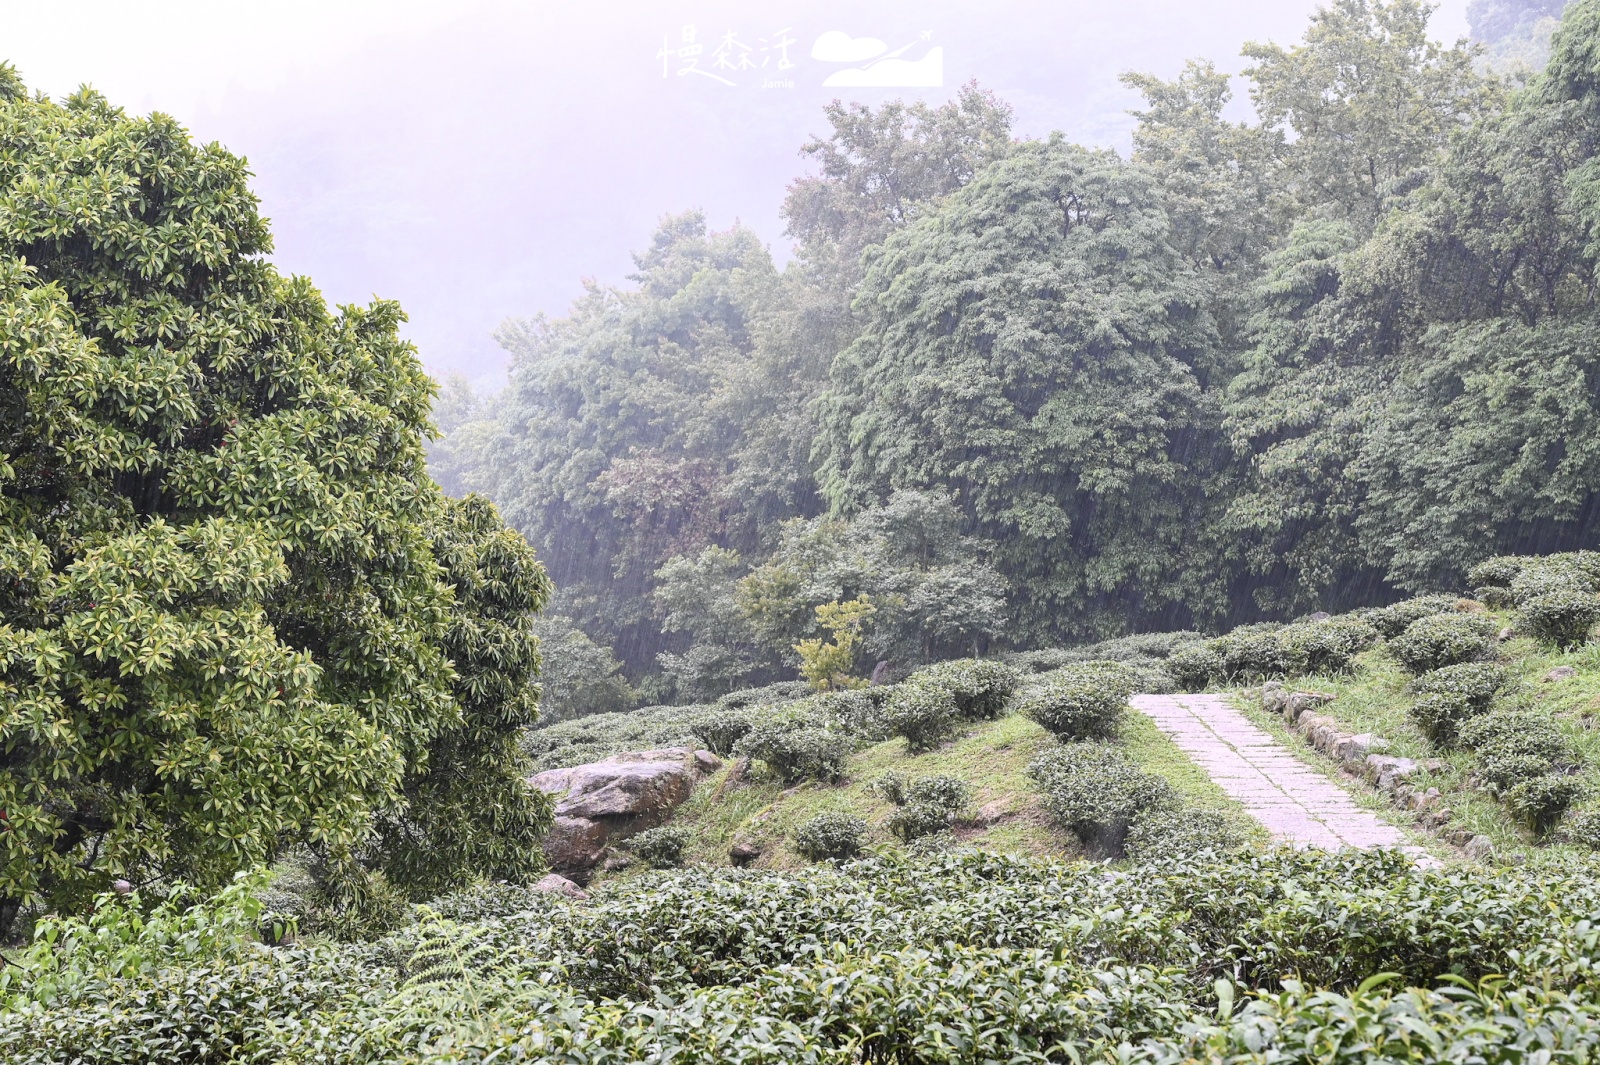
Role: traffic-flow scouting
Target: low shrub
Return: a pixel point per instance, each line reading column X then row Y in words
column 1256, row 652
column 1194, row 668
column 1252, row 653
column 923, row 806
column 1181, row 834
column 916, row 820
column 1583, row 829
column 1560, row 617
column 858, row 712
column 660, row 848
column 1081, row 702
column 1147, row 655
column 1327, row 646
column 1502, row 770
column 939, row 789
column 981, row 687
column 830, row 836
column 721, row 730
column 1514, row 732
column 1440, row 640
column 1096, row 793
column 771, row 695
column 1497, row 572
column 1521, row 758
column 924, row 714
column 1539, row 802
column 1450, row 696
column 796, row 750
column 1391, row 621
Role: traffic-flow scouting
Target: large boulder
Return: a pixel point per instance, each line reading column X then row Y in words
column 608, row 800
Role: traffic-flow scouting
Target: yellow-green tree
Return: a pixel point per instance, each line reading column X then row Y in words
column 827, row 664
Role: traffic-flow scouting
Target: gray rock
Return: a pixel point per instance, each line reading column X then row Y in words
column 1320, row 615
column 556, row 884
column 1387, row 771
column 1297, row 703
column 992, row 812
column 574, row 845
column 1353, row 750
column 627, row 785
column 604, row 801
column 1560, row 673
column 1480, row 848
column 1506, row 633
column 1423, row 800
column 743, row 852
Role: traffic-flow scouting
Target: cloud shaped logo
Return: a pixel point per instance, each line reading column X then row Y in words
column 836, row 46
column 924, row 73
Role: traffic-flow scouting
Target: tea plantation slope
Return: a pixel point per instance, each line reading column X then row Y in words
column 1495, row 698
column 1005, row 814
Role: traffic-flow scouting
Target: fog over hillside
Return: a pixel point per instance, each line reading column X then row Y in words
column 477, row 160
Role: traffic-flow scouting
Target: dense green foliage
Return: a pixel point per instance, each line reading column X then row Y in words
column 1080, row 702
column 827, row 836
column 235, row 613
column 957, row 957
column 1033, row 393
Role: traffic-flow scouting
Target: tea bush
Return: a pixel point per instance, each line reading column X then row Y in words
column 1539, row 801
column 1391, row 621
column 1252, row 653
column 1496, row 572
column 924, row 714
column 589, row 739
column 1195, row 668
column 1515, row 732
column 918, row 820
column 1079, row 702
column 980, row 687
column 1255, row 653
column 834, row 836
column 771, row 695
column 1438, row 640
column 1147, row 655
column 662, row 847
column 886, row 959
column 1096, row 793
column 940, row 789
column 721, row 730
column 1522, row 758
column 1563, row 618
column 925, row 805
column 1583, row 829
column 1169, row 834
column 1245, row 654
column 795, row 749
column 1449, row 696
column 1327, row 646
column 856, row 712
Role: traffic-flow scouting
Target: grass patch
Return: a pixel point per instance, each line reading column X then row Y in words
column 1375, row 697
column 1006, row 815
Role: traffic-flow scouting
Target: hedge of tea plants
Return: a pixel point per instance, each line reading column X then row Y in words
column 957, row 957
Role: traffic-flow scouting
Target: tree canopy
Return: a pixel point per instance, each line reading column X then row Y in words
column 1320, row 358
column 235, row 612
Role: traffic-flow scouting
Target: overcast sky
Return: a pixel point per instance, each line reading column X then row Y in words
column 477, row 160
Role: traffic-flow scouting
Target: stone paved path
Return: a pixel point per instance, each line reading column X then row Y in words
column 1297, row 804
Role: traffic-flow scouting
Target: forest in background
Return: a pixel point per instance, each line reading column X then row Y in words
column 1018, row 393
